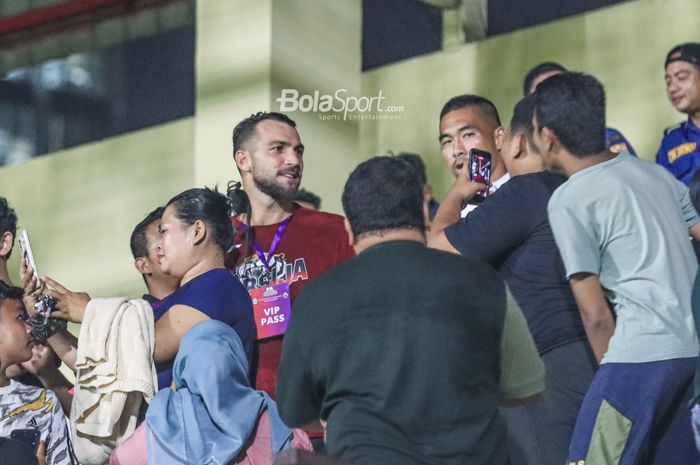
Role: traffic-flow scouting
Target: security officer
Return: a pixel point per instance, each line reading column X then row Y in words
column 614, row 140
column 679, row 152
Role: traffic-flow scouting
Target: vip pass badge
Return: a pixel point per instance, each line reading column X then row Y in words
column 272, row 303
column 271, row 309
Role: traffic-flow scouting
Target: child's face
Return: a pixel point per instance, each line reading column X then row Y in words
column 15, row 342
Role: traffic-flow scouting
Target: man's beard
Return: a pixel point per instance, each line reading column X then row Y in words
column 275, row 191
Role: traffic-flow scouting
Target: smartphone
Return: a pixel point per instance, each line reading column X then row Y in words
column 30, row 437
column 26, row 248
column 480, row 171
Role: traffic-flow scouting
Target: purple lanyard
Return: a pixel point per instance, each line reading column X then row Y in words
column 275, row 242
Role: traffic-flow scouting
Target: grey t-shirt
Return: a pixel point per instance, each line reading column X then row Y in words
column 626, row 220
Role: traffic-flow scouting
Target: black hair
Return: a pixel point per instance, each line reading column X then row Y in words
column 307, row 196
column 8, row 221
column 209, row 206
column 138, row 235
column 484, row 105
column 572, row 105
column 417, row 162
column 10, row 292
column 383, row 193
column 694, row 189
column 244, row 130
column 537, row 70
column 521, row 121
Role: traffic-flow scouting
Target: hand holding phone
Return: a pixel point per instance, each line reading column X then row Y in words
column 480, row 171
column 26, row 248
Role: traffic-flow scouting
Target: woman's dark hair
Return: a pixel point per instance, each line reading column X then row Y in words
column 209, row 206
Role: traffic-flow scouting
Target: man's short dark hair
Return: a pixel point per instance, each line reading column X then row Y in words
column 309, row 197
column 10, row 292
column 521, row 121
column 417, row 162
column 382, row 194
column 138, row 236
column 484, row 105
column 244, row 130
column 537, row 70
column 572, row 105
column 8, row 221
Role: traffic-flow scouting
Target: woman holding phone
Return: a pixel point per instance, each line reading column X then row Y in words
column 196, row 232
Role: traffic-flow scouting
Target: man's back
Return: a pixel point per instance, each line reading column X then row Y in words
column 630, row 219
column 399, row 349
column 511, row 232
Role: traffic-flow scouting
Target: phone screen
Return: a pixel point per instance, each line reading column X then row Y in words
column 480, row 171
column 30, row 437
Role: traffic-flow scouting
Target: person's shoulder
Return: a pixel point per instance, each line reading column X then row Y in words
column 674, row 130
column 466, row 265
column 308, row 216
column 42, row 398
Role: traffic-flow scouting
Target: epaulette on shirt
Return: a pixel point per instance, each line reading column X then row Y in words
column 671, row 128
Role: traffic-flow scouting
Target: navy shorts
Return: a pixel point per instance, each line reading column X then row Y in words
column 636, row 413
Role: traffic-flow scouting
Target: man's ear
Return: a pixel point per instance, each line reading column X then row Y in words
column 242, row 159
column 6, row 242
column 550, row 139
column 521, row 144
column 142, row 265
column 199, row 231
column 348, row 230
column 499, row 135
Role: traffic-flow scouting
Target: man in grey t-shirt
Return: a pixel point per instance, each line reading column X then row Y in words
column 621, row 225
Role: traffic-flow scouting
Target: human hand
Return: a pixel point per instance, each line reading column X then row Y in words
column 33, row 287
column 69, row 305
column 43, row 362
column 41, row 453
column 464, row 187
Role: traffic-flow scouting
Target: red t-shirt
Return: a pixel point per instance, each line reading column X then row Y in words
column 313, row 243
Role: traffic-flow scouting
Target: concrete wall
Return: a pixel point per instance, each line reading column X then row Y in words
column 624, row 46
column 80, row 205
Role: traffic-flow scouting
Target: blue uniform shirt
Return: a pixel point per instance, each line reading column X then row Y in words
column 616, row 142
column 679, row 150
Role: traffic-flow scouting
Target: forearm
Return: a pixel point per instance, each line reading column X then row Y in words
column 66, row 347
column 60, row 386
column 447, row 214
column 599, row 330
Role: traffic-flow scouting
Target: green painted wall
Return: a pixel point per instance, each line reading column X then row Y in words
column 624, row 46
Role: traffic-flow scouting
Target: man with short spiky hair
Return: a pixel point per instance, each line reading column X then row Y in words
column 511, row 232
column 471, row 122
column 289, row 244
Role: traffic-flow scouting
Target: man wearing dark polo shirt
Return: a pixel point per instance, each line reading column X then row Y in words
column 511, row 232
column 404, row 351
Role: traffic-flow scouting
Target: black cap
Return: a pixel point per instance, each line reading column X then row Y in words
column 689, row 52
